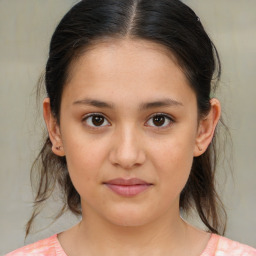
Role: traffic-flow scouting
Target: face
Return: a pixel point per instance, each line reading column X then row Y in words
column 128, row 127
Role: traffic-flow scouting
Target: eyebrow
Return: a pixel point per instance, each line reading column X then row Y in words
column 144, row 106
column 160, row 103
column 92, row 102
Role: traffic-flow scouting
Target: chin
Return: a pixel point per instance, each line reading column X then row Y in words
column 129, row 217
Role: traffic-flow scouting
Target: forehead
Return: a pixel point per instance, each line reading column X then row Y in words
column 126, row 67
column 105, row 53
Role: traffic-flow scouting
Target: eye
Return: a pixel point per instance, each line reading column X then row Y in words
column 95, row 120
column 160, row 120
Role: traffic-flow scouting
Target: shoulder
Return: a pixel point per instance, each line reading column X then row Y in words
column 48, row 246
column 222, row 246
column 231, row 247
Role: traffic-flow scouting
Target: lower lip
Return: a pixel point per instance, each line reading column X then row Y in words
column 128, row 191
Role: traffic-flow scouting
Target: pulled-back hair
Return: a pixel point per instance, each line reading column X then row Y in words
column 169, row 23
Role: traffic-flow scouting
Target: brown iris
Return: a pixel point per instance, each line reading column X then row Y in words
column 158, row 120
column 97, row 120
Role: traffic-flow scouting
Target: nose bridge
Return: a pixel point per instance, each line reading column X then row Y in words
column 127, row 150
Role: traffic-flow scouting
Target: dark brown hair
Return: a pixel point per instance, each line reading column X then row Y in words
column 167, row 22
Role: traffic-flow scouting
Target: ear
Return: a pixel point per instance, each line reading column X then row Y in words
column 53, row 129
column 207, row 127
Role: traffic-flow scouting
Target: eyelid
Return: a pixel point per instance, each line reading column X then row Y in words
column 85, row 117
column 171, row 119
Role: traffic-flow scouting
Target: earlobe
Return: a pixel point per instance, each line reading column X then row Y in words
column 207, row 128
column 53, row 129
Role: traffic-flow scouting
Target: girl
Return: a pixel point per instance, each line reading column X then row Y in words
column 131, row 128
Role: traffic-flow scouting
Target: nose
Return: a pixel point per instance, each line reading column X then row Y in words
column 127, row 149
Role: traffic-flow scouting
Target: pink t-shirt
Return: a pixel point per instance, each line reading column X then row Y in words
column 217, row 246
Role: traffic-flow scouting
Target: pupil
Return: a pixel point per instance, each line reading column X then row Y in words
column 159, row 120
column 97, row 120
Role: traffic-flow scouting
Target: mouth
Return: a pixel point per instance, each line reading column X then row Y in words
column 127, row 187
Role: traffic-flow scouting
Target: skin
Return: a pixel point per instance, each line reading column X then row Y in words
column 126, row 74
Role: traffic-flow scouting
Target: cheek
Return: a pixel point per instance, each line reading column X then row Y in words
column 84, row 160
column 173, row 160
column 176, row 164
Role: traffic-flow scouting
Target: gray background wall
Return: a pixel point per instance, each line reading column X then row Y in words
column 25, row 30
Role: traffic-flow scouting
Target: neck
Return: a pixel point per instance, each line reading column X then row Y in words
column 166, row 235
column 162, row 236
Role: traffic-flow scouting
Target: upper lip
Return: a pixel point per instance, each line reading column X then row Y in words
column 127, row 182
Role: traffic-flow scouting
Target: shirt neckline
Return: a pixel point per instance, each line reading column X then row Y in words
column 211, row 246
column 58, row 247
column 209, row 249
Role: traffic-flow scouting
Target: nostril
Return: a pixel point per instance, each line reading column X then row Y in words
column 127, row 159
column 127, row 148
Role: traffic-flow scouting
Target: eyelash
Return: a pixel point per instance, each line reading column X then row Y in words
column 167, row 117
column 91, row 115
